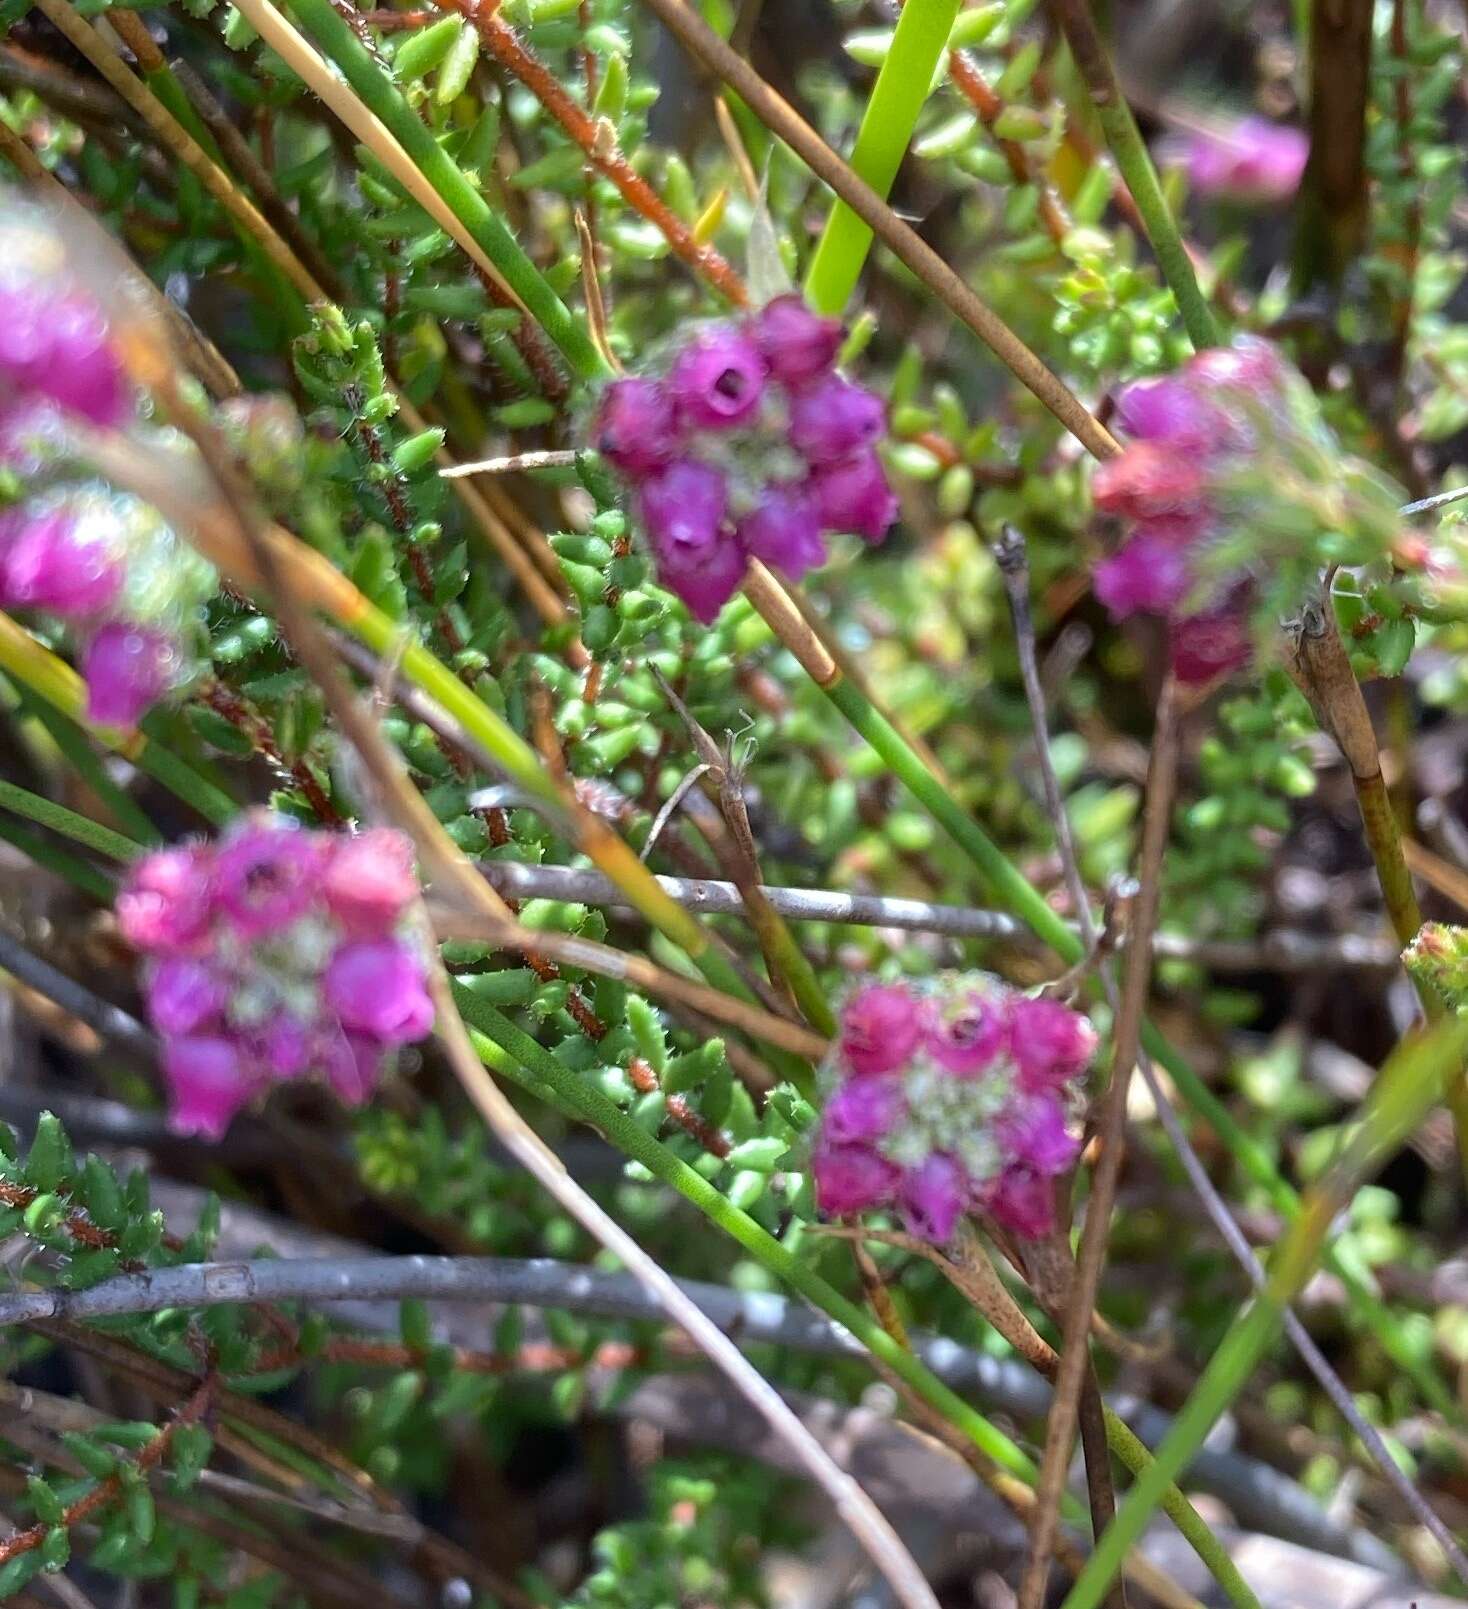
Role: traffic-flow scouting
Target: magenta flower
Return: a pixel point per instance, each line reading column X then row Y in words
column 852, row 1178
column 683, row 509
column 1168, row 410
column 785, row 530
column 832, row 419
column 1249, row 365
column 283, row 1048
column 1035, row 1133
column 796, row 342
column 127, row 668
column 1151, row 479
column 353, row 1066
column 1147, row 575
column 880, row 1029
column 265, row 877
column 1023, row 1201
column 707, row 583
column 57, row 346
column 717, row 380
column 1251, row 160
column 854, row 495
column 1051, row 1043
column 184, row 996
column 165, row 904
column 966, row 1034
column 636, row 426
column 1206, row 646
column 47, row 563
column 864, row 1109
column 208, row 1082
column 932, row 1198
column 369, row 881
column 377, row 987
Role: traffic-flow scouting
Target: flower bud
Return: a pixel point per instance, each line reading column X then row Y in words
column 794, row 340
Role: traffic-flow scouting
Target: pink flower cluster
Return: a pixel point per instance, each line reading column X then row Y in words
column 1249, row 160
column 105, row 564
column 1188, row 434
column 275, row 954
column 748, row 445
column 950, row 1096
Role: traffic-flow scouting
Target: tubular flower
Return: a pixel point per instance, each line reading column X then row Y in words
column 950, row 1096
column 745, row 443
column 275, row 954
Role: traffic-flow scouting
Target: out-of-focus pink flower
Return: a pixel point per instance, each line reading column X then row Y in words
column 965, row 1035
column 785, row 530
column 1035, row 1132
column 165, row 904
column 852, row 1178
column 1051, row 1043
column 377, row 987
column 266, row 876
column 1210, row 645
column 1146, row 575
column 1023, row 1201
column 864, row 1109
column 932, row 1198
column 880, row 1028
column 369, row 881
column 1251, row 160
column 208, row 1082
column 1150, row 480
column 832, row 419
column 47, row 562
column 184, row 995
column 57, row 345
column 127, row 668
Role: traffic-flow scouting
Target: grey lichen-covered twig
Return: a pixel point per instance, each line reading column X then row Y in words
column 1257, row 1494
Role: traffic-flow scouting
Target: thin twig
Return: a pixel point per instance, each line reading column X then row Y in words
column 686, row 25
column 1214, row 1205
column 598, row 139
column 515, row 463
column 1075, row 1351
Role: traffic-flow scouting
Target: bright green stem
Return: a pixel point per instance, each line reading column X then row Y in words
column 37, row 847
column 77, row 751
column 568, row 1091
column 1410, row 1083
column 886, row 129
column 80, row 829
column 516, row 1055
column 1129, row 151
column 382, row 97
column 1012, row 890
column 499, row 740
column 1129, row 1448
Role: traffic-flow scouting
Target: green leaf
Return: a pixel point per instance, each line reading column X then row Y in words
column 419, row 53
column 50, row 1160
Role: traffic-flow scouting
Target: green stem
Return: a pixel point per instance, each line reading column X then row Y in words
column 1129, row 1448
column 886, row 129
column 76, row 749
column 1129, row 151
column 513, row 1053
column 382, row 97
column 35, row 846
column 1012, row 890
column 80, row 829
column 1412, row 1080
